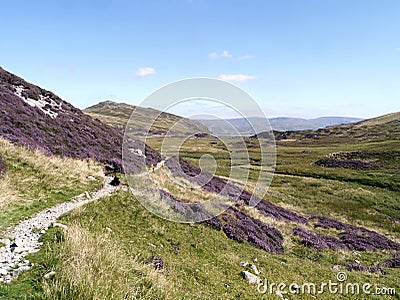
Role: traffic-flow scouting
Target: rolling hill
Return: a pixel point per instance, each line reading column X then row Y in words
column 118, row 114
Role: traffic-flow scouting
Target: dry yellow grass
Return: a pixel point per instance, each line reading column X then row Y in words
column 7, row 193
column 33, row 176
column 51, row 165
column 180, row 187
column 93, row 266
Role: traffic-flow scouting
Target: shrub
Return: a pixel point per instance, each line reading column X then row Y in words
column 241, row 227
column 351, row 237
column 360, row 267
column 343, row 163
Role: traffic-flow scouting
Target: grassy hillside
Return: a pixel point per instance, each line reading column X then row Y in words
column 118, row 114
column 35, row 181
column 199, row 262
column 381, row 128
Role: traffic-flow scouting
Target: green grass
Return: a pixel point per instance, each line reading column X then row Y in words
column 207, row 264
column 203, row 267
column 367, row 198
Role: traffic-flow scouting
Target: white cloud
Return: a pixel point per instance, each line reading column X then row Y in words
column 224, row 53
column 141, row 72
column 236, row 77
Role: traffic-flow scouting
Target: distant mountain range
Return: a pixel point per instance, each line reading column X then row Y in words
column 278, row 124
column 118, row 115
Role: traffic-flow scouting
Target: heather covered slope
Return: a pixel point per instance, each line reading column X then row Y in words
column 118, row 114
column 37, row 118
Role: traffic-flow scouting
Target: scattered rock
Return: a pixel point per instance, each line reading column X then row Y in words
column 50, row 274
column 60, row 225
column 87, row 195
column 8, row 278
column 176, row 249
column 13, row 246
column 23, row 239
column 336, row 268
column 115, row 181
column 91, row 178
column 250, row 277
column 16, row 272
column 109, row 230
column 244, row 263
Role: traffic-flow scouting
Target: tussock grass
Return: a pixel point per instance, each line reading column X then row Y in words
column 7, row 193
column 93, row 266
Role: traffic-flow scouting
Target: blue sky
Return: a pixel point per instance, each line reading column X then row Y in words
column 306, row 58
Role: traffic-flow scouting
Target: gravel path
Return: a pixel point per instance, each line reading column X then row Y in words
column 24, row 238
